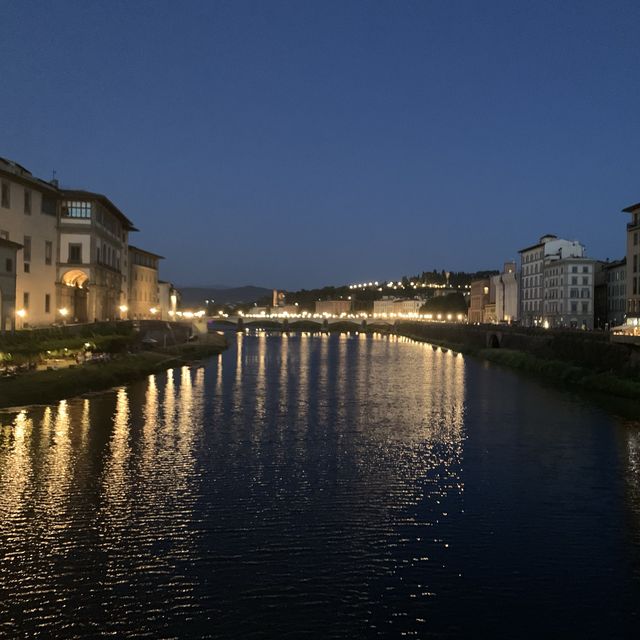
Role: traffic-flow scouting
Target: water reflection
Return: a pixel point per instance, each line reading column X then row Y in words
column 311, row 486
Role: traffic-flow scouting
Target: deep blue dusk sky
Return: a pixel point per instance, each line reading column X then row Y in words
column 296, row 144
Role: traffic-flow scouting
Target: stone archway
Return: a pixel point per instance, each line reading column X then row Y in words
column 77, row 282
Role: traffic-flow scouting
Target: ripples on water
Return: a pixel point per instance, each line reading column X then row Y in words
column 315, row 486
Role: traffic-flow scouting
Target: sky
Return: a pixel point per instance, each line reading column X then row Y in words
column 297, row 144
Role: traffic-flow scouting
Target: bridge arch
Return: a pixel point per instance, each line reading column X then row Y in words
column 494, row 340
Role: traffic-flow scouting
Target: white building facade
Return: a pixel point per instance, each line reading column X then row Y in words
column 506, row 293
column 532, row 261
column 568, row 289
column 390, row 307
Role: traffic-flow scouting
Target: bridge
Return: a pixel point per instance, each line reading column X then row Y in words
column 315, row 321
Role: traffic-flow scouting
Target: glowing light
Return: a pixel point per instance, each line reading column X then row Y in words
column 153, row 311
column 21, row 313
column 124, row 308
column 63, row 312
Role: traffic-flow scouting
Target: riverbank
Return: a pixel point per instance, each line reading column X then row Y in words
column 44, row 387
column 549, row 369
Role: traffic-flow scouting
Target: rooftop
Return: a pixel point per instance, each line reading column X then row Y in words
column 80, row 194
column 149, row 253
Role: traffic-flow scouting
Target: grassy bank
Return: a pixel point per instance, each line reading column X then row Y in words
column 43, row 387
column 566, row 373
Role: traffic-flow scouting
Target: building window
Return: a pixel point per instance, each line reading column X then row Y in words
column 574, row 280
column 635, row 263
column 9, row 265
column 635, row 237
column 75, row 253
column 26, row 249
column 74, row 209
column 25, row 300
column 47, row 303
column 27, row 267
column 585, row 307
column 574, row 307
column 27, row 202
column 48, row 206
column 574, row 269
column 48, row 251
column 6, row 195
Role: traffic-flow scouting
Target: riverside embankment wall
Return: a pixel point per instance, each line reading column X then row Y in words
column 592, row 350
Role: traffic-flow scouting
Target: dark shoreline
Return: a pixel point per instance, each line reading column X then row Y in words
column 46, row 387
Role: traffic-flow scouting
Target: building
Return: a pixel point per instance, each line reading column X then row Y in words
column 144, row 299
column 506, row 293
column 168, row 300
column 615, row 276
column 633, row 262
column 93, row 260
column 28, row 216
column 479, row 299
column 333, row 307
column 390, row 306
column 568, row 289
column 8, row 261
column 532, row 261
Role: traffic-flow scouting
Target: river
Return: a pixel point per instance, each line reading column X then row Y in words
column 313, row 486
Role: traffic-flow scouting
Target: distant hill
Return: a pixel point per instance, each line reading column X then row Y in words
column 196, row 296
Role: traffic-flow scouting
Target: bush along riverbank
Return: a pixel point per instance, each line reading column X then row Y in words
column 50, row 385
column 611, row 373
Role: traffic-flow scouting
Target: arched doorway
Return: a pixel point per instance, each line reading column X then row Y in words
column 77, row 282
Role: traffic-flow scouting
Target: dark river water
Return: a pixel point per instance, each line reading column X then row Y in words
column 321, row 487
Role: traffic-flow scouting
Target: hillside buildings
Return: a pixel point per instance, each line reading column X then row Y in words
column 73, row 262
column 390, row 306
column 333, row 307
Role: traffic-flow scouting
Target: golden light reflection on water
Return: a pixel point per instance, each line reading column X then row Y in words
column 16, row 471
column 377, row 403
column 117, row 482
column 59, row 465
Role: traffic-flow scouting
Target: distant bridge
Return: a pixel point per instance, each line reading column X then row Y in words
column 319, row 321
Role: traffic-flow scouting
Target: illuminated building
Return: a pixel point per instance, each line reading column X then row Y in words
column 482, row 302
column 8, row 260
column 506, row 293
column 333, row 307
column 390, row 306
column 168, row 300
column 93, row 262
column 28, row 216
column 144, row 301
